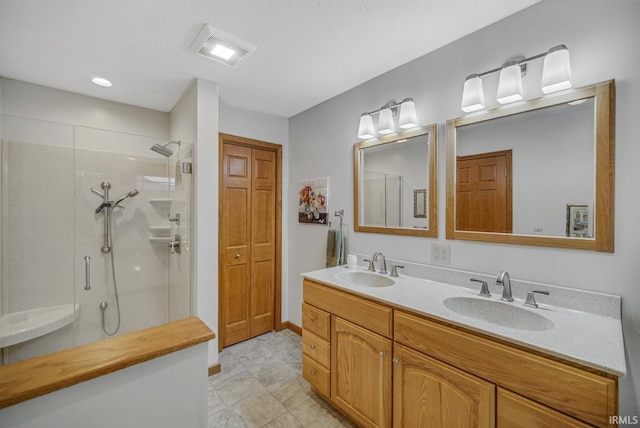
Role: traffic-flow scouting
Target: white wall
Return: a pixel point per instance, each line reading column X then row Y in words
column 600, row 36
column 272, row 129
column 195, row 119
column 165, row 392
column 40, row 102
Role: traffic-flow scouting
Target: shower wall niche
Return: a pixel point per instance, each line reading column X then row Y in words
column 52, row 236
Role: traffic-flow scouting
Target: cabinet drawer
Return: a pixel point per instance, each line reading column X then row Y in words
column 316, row 347
column 579, row 393
column 316, row 321
column 317, row 375
column 514, row 410
column 370, row 315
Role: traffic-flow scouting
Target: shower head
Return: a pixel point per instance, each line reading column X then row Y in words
column 131, row 194
column 162, row 148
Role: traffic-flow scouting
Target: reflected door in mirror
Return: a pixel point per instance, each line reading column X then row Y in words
column 484, row 192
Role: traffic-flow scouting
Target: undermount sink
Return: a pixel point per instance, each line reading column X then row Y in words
column 365, row 279
column 502, row 314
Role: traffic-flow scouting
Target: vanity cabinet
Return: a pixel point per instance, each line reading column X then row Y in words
column 390, row 366
column 427, row 392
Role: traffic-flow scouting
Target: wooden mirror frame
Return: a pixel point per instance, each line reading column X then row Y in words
column 604, row 96
column 432, row 232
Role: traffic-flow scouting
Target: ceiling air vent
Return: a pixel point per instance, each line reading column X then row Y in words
column 218, row 45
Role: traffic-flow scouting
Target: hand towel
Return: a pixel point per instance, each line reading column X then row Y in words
column 335, row 248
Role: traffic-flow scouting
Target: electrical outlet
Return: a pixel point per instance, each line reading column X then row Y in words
column 441, row 254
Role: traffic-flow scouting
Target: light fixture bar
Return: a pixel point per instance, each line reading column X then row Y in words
column 556, row 76
column 407, row 119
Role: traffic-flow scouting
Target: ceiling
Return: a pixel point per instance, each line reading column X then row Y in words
column 307, row 50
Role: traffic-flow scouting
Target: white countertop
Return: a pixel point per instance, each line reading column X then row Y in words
column 593, row 340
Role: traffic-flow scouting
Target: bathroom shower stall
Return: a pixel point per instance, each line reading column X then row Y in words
column 96, row 230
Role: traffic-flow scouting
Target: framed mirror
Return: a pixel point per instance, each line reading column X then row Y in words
column 537, row 173
column 395, row 183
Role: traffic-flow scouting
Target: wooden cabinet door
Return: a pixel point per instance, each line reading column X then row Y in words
column 429, row 393
column 361, row 373
column 517, row 411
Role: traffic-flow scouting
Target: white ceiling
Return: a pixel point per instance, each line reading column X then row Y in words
column 307, row 50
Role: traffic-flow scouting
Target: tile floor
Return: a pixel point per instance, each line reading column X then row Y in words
column 261, row 385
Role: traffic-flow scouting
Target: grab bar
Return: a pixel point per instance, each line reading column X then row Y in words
column 87, row 272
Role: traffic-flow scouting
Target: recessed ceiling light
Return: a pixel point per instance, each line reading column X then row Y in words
column 101, row 81
column 220, row 46
column 222, row 51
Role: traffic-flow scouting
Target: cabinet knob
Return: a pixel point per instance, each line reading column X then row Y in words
column 383, row 354
column 312, row 320
column 395, row 361
column 313, row 347
column 312, row 372
column 237, row 256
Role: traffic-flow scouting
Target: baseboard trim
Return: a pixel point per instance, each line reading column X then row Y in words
column 294, row 328
column 214, row 369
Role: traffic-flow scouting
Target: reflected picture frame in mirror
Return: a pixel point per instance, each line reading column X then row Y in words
column 601, row 117
column 425, row 224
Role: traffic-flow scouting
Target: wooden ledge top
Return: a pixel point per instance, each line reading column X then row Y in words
column 38, row 376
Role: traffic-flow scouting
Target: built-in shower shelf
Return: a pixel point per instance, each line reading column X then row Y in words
column 154, row 240
column 161, row 202
column 160, row 231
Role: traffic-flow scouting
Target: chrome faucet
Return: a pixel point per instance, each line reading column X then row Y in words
column 504, row 280
column 381, row 268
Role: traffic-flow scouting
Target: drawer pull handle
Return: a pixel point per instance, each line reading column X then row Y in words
column 313, row 347
column 312, row 372
column 396, row 361
column 383, row 354
column 313, row 320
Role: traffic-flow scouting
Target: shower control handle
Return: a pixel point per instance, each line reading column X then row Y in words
column 87, row 273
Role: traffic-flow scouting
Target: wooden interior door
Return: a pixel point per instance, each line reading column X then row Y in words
column 235, row 239
column 263, row 231
column 429, row 393
column 249, row 238
column 483, row 192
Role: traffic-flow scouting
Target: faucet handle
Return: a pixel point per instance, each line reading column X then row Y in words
column 371, row 268
column 394, row 270
column 531, row 300
column 484, row 290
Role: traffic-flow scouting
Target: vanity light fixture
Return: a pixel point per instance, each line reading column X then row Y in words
column 407, row 119
column 556, row 76
column 220, row 46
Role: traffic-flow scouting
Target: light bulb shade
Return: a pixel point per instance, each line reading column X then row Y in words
column 365, row 130
column 472, row 94
column 556, row 72
column 408, row 118
column 385, row 121
column 510, row 84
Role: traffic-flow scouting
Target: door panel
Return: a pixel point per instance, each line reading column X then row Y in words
column 235, row 238
column 263, row 233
